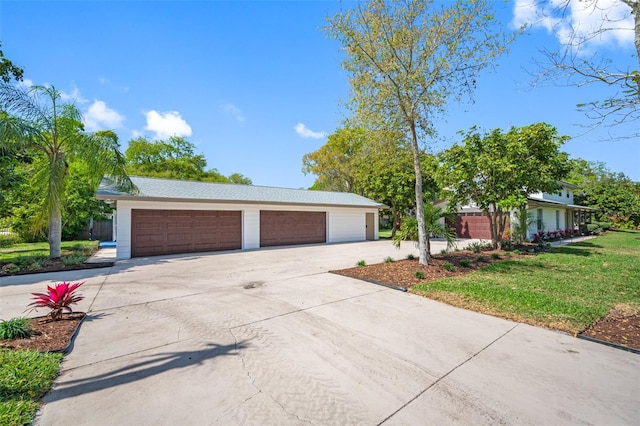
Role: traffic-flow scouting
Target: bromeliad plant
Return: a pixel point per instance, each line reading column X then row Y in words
column 58, row 299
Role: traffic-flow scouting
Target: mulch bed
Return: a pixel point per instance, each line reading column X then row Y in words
column 58, row 265
column 618, row 327
column 48, row 335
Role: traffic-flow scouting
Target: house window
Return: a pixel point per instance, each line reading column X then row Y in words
column 557, row 219
column 539, row 220
column 560, row 194
column 567, row 194
column 477, row 214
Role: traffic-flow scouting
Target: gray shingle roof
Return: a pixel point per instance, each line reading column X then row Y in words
column 181, row 190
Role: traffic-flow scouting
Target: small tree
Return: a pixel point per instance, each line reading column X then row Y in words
column 497, row 171
column 407, row 59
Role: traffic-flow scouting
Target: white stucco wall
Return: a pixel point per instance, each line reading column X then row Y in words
column 343, row 223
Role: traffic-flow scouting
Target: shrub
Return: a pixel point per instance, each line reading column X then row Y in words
column 594, row 228
column 465, row 263
column 361, row 263
column 517, row 252
column 495, row 255
column 419, row 275
column 449, row 267
column 410, row 256
column 507, row 254
column 10, row 268
column 74, row 259
column 476, row 246
column 7, row 240
column 388, row 259
column 59, row 299
column 15, row 328
column 443, row 251
column 481, row 259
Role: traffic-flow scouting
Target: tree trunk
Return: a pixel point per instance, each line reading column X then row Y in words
column 492, row 227
column 55, row 233
column 396, row 219
column 422, row 235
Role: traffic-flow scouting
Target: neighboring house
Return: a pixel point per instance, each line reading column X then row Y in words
column 549, row 212
column 173, row 216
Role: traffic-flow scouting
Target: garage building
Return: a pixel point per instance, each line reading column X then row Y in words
column 173, row 216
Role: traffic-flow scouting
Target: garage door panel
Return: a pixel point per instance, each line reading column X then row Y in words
column 279, row 228
column 157, row 232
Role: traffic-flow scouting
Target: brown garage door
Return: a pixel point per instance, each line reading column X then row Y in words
column 157, row 232
column 473, row 225
column 279, row 228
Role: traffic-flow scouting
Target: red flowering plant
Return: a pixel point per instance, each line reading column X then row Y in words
column 58, row 299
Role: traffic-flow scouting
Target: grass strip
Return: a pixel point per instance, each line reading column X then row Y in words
column 566, row 288
column 25, row 377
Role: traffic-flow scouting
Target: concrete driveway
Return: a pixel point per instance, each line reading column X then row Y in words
column 269, row 337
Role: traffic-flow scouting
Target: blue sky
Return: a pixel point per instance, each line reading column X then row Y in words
column 256, row 85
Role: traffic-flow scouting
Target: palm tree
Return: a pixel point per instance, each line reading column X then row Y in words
column 35, row 120
column 433, row 225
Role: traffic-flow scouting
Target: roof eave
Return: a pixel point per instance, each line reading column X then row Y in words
column 128, row 197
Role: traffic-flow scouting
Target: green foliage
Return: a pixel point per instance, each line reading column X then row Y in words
column 410, row 256
column 433, row 225
column 361, row 263
column 616, row 197
column 495, row 255
column 25, row 377
column 8, row 70
column 481, row 259
column 10, row 268
column 174, row 158
column 419, row 275
column 476, row 246
column 15, row 328
column 465, row 263
column 449, row 267
column 7, row 240
column 388, row 259
column 499, row 170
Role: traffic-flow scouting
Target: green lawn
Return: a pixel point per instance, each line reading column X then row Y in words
column 384, row 233
column 25, row 377
column 33, row 256
column 567, row 288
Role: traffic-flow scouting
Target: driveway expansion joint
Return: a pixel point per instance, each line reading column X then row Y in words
column 447, row 374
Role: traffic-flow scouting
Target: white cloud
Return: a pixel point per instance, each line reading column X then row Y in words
column 575, row 21
column 99, row 117
column 165, row 124
column 235, row 111
column 73, row 97
column 26, row 83
column 304, row 132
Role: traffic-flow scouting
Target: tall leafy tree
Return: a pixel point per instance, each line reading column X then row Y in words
column 174, row 158
column 336, row 162
column 497, row 170
column 35, row 120
column 9, row 70
column 407, row 58
column 616, row 197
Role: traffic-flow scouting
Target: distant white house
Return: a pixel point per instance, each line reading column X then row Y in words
column 173, row 216
column 550, row 211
